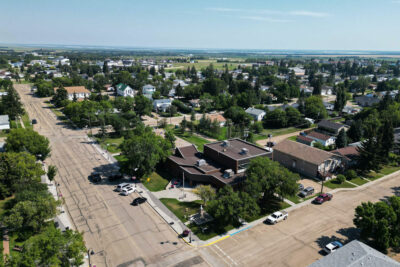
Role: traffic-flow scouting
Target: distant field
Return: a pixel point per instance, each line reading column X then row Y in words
column 201, row 64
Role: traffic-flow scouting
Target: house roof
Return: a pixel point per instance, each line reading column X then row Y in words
column 319, row 136
column 330, row 125
column 255, row 111
column 347, row 151
column 75, row 89
column 302, row 151
column 217, row 117
column 234, row 149
column 305, row 139
column 122, row 86
column 4, row 120
column 355, row 254
column 162, row 101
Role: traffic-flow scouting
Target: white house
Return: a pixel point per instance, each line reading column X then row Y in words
column 257, row 114
column 4, row 122
column 323, row 139
column 79, row 91
column 162, row 104
column 125, row 90
column 148, row 89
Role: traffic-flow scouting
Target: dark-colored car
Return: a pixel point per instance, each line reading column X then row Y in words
column 115, row 177
column 95, row 177
column 308, row 191
column 34, row 121
column 322, row 198
column 138, row 201
column 271, row 144
column 185, row 233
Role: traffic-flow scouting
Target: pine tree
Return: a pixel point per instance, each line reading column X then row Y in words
column 105, row 67
column 341, row 140
column 386, row 140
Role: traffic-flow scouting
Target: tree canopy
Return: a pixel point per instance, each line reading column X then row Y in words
column 22, row 139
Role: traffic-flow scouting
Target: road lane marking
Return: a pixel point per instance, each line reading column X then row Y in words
column 226, row 255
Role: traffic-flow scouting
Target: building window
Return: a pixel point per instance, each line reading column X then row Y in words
column 294, row 164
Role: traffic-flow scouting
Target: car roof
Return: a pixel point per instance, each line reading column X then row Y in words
column 308, row 188
column 337, row 243
column 123, row 184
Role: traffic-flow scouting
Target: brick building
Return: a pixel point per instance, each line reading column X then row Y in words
column 221, row 163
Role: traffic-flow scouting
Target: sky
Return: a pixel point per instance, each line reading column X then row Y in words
column 230, row 24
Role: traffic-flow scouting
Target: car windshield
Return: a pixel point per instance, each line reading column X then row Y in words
column 274, row 216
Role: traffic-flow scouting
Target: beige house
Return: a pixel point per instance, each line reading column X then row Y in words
column 306, row 160
column 80, row 91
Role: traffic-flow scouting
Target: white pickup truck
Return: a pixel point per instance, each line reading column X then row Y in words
column 277, row 217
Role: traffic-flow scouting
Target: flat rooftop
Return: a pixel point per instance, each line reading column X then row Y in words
column 234, row 149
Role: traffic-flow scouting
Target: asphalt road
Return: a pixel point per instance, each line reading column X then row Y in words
column 118, row 233
column 299, row 240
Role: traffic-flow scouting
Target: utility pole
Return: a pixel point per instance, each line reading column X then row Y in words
column 183, row 185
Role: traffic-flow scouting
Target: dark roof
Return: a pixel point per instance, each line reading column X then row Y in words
column 347, row 151
column 318, row 135
column 330, row 125
column 234, row 149
column 302, row 151
column 305, row 139
column 355, row 254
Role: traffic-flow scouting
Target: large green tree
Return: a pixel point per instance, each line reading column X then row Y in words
column 142, row 105
column 143, row 151
column 314, row 108
column 21, row 139
column 10, row 104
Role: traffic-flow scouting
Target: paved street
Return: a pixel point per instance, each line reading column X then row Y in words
column 118, row 233
column 122, row 235
column 298, row 241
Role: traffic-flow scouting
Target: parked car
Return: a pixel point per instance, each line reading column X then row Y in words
column 277, row 217
column 95, row 177
column 301, row 187
column 34, row 121
column 322, row 198
column 119, row 187
column 271, row 144
column 308, row 191
column 332, row 247
column 185, row 233
column 127, row 191
column 115, row 177
column 138, row 201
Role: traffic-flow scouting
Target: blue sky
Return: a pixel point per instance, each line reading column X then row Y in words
column 251, row 24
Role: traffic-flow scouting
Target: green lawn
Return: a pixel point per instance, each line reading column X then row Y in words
column 210, row 233
column 111, row 144
column 384, row 171
column 282, row 131
column 295, row 199
column 196, row 140
column 359, row 181
column 333, row 184
column 156, row 181
column 27, row 121
column 182, row 210
column 120, row 158
column 293, row 138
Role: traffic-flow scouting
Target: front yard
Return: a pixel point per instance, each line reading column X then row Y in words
column 333, row 184
column 111, row 143
column 196, row 140
column 157, row 181
column 182, row 210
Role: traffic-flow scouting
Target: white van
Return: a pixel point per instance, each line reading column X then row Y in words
column 119, row 187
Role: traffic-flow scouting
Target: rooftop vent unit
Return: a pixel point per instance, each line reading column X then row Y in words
column 228, row 173
column 201, row 162
column 244, row 151
column 225, row 143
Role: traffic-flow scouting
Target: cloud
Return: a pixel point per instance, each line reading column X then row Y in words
column 257, row 18
column 308, row 14
column 302, row 13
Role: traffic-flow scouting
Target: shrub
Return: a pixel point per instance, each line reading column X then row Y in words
column 351, row 174
column 340, row 178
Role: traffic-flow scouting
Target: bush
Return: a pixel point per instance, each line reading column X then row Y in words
column 340, row 178
column 351, row 174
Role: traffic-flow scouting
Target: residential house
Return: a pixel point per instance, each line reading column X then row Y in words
column 179, row 82
column 162, row 104
column 329, row 106
column 306, row 160
column 367, row 100
column 109, row 88
column 221, row 163
column 321, row 138
column 350, row 110
column 148, row 90
column 125, row 90
column 4, row 122
column 257, row 114
column 349, row 155
column 195, row 103
column 80, row 92
column 217, row 117
column 331, row 128
column 326, row 90
column 355, row 254
column 305, row 140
